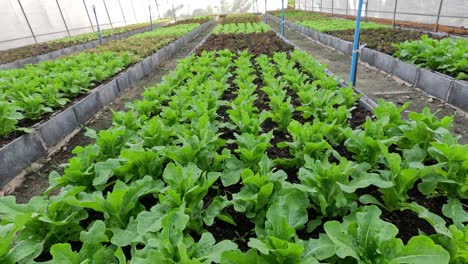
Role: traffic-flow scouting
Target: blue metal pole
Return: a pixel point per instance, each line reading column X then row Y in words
column 266, row 10
column 282, row 18
column 352, row 75
column 97, row 24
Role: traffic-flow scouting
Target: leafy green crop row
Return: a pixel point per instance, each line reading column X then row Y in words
column 30, row 92
column 7, row 56
column 154, row 187
column 177, row 30
column 241, row 18
column 82, row 38
column 301, row 15
column 448, row 55
column 241, row 28
column 337, row 25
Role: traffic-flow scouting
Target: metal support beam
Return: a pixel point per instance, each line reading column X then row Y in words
column 63, row 18
column 333, row 3
column 347, row 6
column 89, row 17
column 173, row 10
column 394, row 13
column 107, row 11
column 282, row 18
column 97, row 24
column 353, row 72
column 27, row 21
column 134, row 13
column 438, row 16
column 151, row 18
column 123, row 15
column 157, row 8
column 321, row 6
column 266, row 12
column 367, row 8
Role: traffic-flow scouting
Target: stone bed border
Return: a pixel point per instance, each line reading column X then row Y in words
column 439, row 85
column 80, row 47
column 22, row 152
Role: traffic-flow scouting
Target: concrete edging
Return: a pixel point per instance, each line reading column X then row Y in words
column 80, row 47
column 439, row 85
column 23, row 151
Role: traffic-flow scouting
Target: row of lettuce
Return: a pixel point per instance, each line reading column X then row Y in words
column 29, row 93
column 445, row 55
column 167, row 172
column 7, row 56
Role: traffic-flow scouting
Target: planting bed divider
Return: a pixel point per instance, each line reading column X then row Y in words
column 439, row 85
column 80, row 47
column 23, row 151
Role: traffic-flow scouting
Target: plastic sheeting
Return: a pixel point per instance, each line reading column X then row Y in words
column 46, row 22
column 453, row 12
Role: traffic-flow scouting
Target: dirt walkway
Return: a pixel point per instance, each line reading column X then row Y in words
column 376, row 84
column 36, row 181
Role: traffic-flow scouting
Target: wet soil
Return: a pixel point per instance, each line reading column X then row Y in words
column 11, row 55
column 243, row 19
column 255, row 43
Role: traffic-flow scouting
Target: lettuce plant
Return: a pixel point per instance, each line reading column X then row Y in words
column 308, row 140
column 333, row 185
column 364, row 237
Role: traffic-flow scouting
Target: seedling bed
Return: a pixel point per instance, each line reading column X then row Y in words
column 255, row 43
column 196, row 172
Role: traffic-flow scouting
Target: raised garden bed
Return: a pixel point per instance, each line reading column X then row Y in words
column 17, row 57
column 23, row 150
column 241, row 158
column 382, row 39
column 433, row 83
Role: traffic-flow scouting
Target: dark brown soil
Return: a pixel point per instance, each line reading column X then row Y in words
column 11, row 55
column 408, row 224
column 381, row 39
column 244, row 19
column 190, row 21
column 255, row 43
column 240, row 233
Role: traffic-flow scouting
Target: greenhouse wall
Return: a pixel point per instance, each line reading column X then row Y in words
column 452, row 12
column 24, row 22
